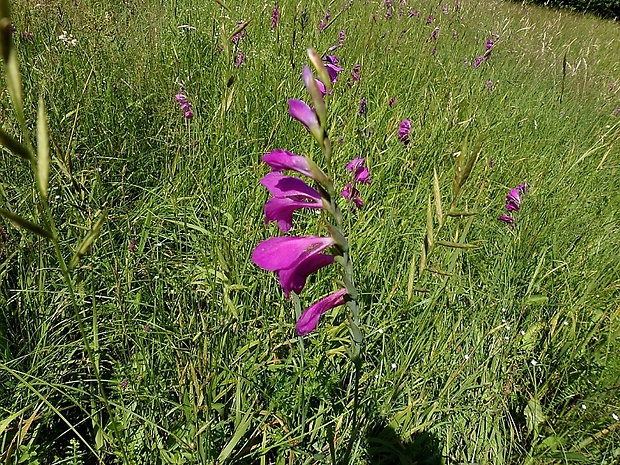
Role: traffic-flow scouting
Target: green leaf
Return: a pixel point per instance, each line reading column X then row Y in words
column 43, row 150
column 437, row 194
column 536, row 299
column 533, row 415
column 14, row 145
column 24, row 223
column 88, row 240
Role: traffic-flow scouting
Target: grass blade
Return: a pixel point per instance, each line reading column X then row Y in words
column 43, row 150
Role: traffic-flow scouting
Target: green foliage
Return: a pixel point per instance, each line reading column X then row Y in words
column 487, row 354
column 604, row 8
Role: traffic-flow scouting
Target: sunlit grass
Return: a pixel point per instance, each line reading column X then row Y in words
column 511, row 358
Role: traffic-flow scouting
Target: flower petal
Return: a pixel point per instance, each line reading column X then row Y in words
column 300, row 110
column 310, row 317
column 280, row 253
column 280, row 160
column 281, row 209
column 279, row 185
column 294, row 279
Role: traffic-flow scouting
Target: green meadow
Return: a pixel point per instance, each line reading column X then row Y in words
column 135, row 327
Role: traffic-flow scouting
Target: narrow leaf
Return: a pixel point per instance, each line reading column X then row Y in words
column 24, row 223
column 43, row 150
column 14, row 145
column 88, row 240
column 429, row 223
column 422, row 259
column 411, row 280
column 455, row 245
column 437, row 194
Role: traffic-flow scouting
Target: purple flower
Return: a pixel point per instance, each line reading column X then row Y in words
column 294, row 258
column 239, row 59
column 185, row 105
column 489, row 44
column 444, row 9
column 341, row 38
column 322, row 25
column 388, row 14
column 360, row 172
column 392, row 102
column 478, row 61
column 189, row 114
column 300, row 110
column 27, row 35
column 509, row 220
column 240, row 35
column 362, row 108
column 331, row 64
column 404, row 131
column 352, row 194
column 289, row 194
column 414, row 13
column 514, row 197
column 454, row 33
column 180, row 98
column 429, row 20
column 274, row 18
column 282, row 160
column 617, row 111
column 310, row 317
column 523, row 187
column 435, row 33
column 489, row 85
column 355, row 72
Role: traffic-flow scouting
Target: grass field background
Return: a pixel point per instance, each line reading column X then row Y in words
column 507, row 352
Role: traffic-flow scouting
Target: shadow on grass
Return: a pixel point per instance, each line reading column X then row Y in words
column 386, row 447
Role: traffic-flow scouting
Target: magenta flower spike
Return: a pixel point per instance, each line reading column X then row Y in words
column 300, row 110
column 360, row 172
column 317, row 96
column 294, row 278
column 404, row 131
column 310, row 317
column 274, row 18
column 289, row 194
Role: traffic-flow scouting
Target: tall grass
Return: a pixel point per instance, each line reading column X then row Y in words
column 504, row 353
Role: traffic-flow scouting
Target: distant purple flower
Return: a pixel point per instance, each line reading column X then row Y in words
column 341, row 38
column 352, row 194
column 454, row 33
column 294, row 258
column 239, row 59
column 617, row 112
column 429, row 20
column 489, row 85
column 491, row 163
column 355, row 72
column 322, row 25
column 457, row 5
column 184, row 104
column 132, row 244
column 414, row 13
column 310, row 317
column 478, row 61
column 331, row 64
column 434, row 51
column 444, row 9
column 435, row 33
column 404, row 131
column 388, row 13
column 514, row 197
column 289, row 194
column 362, row 108
column 240, row 35
column 523, row 188
column 274, row 18
column 27, row 35
column 611, row 86
column 509, row 220
column 388, row 3
column 489, row 44
column 360, row 172
column 392, row 102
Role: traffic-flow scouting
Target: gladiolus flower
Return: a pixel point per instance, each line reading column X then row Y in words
column 404, row 131
column 310, row 317
column 360, row 172
column 331, row 64
column 281, row 160
column 509, row 220
column 274, row 18
column 289, row 194
column 352, row 194
column 294, row 258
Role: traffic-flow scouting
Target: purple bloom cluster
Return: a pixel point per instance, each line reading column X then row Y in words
column 355, row 72
column 185, row 105
column 363, row 107
column 488, row 48
column 360, row 176
column 513, row 203
column 239, row 59
column 274, row 18
column 404, row 131
column 331, row 64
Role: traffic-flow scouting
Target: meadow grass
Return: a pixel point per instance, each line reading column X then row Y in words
column 503, row 353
